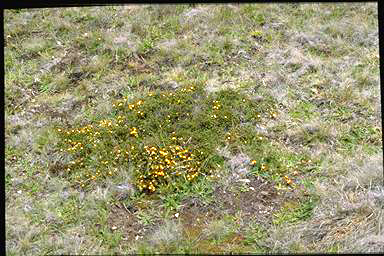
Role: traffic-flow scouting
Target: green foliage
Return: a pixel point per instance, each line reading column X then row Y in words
column 259, row 19
column 169, row 137
column 146, row 46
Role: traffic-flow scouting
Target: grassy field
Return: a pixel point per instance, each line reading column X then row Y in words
column 193, row 129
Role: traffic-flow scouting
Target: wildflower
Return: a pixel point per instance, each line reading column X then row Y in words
column 133, row 132
column 287, row 180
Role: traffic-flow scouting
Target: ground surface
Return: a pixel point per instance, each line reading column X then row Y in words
column 280, row 103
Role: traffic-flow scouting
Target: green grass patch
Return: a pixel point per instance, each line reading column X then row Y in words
column 303, row 111
column 361, row 134
column 293, row 212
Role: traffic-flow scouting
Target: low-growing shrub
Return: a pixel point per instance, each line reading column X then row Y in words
column 169, row 137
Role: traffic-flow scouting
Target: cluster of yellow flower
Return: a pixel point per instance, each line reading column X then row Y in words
column 120, row 119
column 263, row 166
column 95, row 149
column 228, row 136
column 288, row 180
column 75, row 145
column 273, row 114
column 105, row 123
column 82, row 130
column 188, row 89
column 123, row 102
column 216, row 105
column 91, row 176
column 162, row 163
column 133, row 132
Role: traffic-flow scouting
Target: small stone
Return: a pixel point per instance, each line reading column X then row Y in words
column 311, row 128
column 27, row 208
column 64, row 195
column 258, row 98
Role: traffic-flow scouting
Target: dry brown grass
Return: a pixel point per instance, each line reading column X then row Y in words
column 349, row 215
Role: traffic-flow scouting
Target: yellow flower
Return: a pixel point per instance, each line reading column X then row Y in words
column 287, row 180
column 133, row 132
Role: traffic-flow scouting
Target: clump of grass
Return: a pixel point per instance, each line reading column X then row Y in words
column 296, row 212
column 169, row 137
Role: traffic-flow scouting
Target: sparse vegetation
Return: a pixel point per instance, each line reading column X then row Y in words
column 246, row 128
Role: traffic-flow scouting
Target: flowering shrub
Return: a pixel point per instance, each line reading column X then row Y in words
column 167, row 137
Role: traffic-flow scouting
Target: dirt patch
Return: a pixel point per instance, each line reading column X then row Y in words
column 254, row 198
column 122, row 218
column 194, row 211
